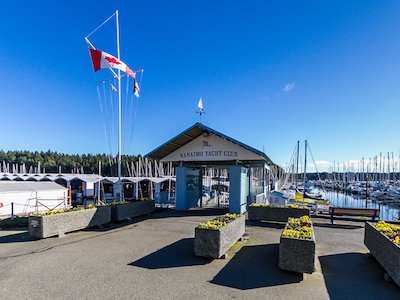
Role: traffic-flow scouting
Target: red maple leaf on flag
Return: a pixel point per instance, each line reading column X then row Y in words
column 112, row 60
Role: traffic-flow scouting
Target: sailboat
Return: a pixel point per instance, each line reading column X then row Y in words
column 303, row 196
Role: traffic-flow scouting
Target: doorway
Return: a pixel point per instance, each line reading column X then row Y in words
column 215, row 187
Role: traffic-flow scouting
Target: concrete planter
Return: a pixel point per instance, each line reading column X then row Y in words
column 384, row 250
column 275, row 214
column 59, row 224
column 216, row 242
column 297, row 255
column 121, row 212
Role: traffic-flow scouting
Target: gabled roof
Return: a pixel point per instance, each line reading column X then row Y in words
column 192, row 133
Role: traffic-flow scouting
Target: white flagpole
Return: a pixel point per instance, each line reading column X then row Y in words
column 119, row 114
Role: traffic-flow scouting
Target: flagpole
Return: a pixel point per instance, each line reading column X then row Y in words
column 119, row 115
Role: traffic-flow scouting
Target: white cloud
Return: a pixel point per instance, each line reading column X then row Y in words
column 288, row 87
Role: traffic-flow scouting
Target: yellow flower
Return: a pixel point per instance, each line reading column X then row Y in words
column 392, row 231
column 299, row 228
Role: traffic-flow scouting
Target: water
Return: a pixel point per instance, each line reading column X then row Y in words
column 388, row 211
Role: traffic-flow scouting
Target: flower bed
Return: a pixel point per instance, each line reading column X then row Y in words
column 383, row 241
column 214, row 238
column 392, row 231
column 125, row 210
column 59, row 222
column 297, row 246
column 275, row 213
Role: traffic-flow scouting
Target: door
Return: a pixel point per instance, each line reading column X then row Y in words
column 194, row 188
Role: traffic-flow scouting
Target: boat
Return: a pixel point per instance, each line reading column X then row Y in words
column 304, row 197
column 278, row 198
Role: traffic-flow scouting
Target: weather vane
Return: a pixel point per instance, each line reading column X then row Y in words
column 201, row 110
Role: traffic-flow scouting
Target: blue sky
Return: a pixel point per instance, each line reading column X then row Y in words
column 269, row 73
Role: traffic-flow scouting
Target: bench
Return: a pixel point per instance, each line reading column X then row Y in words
column 357, row 212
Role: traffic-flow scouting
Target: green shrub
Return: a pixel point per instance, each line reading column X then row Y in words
column 18, row 222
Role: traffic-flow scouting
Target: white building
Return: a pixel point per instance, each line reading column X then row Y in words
column 24, row 197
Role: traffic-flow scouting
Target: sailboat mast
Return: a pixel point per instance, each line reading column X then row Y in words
column 388, row 166
column 305, row 168
column 380, row 167
column 119, row 115
column 297, row 163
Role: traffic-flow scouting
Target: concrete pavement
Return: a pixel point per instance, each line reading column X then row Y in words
column 152, row 258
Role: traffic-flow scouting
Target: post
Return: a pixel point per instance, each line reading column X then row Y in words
column 157, row 195
column 169, row 182
column 12, row 211
column 37, row 207
column 238, row 189
column 119, row 114
column 218, row 185
column 69, row 195
column 180, row 188
column 99, row 184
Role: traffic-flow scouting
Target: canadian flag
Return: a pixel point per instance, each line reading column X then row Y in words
column 103, row 60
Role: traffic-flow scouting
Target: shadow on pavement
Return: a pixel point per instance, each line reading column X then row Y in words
column 17, row 238
column 356, row 276
column 195, row 212
column 178, row 254
column 255, row 267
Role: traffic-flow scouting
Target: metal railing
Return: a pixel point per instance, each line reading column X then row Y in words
column 40, row 204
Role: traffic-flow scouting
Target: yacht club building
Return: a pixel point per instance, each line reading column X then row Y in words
column 213, row 169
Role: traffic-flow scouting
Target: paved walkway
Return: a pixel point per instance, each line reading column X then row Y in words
column 153, row 258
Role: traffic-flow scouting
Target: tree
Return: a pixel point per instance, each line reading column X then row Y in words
column 52, row 160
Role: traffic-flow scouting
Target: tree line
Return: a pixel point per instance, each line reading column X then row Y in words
column 52, row 161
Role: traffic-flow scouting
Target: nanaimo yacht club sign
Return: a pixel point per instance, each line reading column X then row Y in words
column 209, row 153
column 211, row 148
